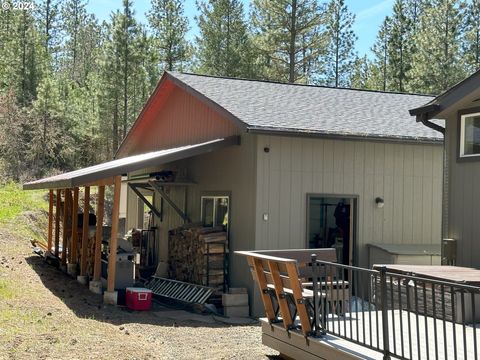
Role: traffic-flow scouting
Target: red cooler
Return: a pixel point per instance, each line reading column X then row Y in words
column 138, row 298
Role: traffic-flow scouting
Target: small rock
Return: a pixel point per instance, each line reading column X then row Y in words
column 49, row 314
column 127, row 332
column 121, row 327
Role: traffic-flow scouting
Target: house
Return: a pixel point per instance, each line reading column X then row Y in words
column 459, row 107
column 286, row 166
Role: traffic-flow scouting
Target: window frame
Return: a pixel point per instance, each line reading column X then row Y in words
column 214, row 197
column 462, row 115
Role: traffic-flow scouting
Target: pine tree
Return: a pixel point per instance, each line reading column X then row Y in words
column 289, row 34
column 399, row 54
column 340, row 55
column 471, row 38
column 73, row 15
column 120, row 65
column 16, row 128
column 224, row 46
column 170, row 26
column 436, row 65
column 49, row 144
column 9, row 50
column 48, row 14
column 380, row 74
column 361, row 74
column 27, row 57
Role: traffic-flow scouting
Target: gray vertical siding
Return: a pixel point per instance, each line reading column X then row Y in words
column 231, row 170
column 408, row 176
column 463, row 198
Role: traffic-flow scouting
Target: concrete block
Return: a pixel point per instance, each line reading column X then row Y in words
column 82, row 279
column 236, row 311
column 72, row 270
column 237, row 290
column 96, row 287
column 110, row 297
column 234, row 299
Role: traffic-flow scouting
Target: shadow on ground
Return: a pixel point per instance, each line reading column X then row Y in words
column 86, row 304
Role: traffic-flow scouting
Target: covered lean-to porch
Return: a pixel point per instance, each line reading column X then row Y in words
column 81, row 241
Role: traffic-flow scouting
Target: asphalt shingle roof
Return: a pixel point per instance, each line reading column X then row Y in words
column 280, row 107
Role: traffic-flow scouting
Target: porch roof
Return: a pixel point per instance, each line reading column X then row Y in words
column 93, row 174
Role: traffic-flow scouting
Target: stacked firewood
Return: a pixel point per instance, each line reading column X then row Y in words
column 90, row 254
column 198, row 255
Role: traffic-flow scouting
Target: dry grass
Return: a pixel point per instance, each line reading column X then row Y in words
column 44, row 314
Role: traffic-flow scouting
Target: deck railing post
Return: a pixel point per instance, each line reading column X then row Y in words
column 383, row 301
column 316, row 312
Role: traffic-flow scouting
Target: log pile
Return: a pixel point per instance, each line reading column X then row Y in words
column 198, row 255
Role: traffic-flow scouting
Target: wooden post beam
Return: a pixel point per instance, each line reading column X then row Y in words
column 99, row 233
column 66, row 215
column 86, row 208
column 50, row 221
column 112, row 256
column 74, row 246
column 57, row 221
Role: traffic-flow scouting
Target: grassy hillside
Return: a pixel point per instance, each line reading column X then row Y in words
column 24, row 212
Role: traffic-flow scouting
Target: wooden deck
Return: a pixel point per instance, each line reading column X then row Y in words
column 333, row 347
column 454, row 274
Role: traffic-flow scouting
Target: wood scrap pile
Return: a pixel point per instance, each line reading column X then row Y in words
column 198, row 255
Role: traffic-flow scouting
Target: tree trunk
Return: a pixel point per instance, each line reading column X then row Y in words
column 337, row 45
column 291, row 52
column 47, row 24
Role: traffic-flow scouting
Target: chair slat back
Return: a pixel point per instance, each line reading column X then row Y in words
column 281, row 276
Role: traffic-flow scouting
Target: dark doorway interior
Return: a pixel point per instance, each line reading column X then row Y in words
column 330, row 224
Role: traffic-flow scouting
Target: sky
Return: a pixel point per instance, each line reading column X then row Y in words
column 369, row 16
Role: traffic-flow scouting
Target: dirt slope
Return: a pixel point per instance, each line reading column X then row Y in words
column 44, row 314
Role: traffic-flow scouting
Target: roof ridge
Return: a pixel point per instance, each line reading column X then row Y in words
column 304, row 85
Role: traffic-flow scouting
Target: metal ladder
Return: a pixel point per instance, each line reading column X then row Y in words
column 178, row 290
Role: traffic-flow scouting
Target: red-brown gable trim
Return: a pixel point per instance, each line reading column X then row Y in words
column 167, row 77
column 207, row 101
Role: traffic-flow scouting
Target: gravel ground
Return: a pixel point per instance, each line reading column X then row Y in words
column 44, row 314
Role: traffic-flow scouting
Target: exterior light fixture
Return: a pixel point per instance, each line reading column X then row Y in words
column 379, row 201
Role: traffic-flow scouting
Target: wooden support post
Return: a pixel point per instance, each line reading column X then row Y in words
column 112, row 256
column 262, row 283
column 50, row 221
column 57, row 221
column 299, row 300
column 66, row 208
column 86, row 207
column 74, row 246
column 99, row 233
column 282, row 299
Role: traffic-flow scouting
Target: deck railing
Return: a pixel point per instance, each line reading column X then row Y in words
column 402, row 316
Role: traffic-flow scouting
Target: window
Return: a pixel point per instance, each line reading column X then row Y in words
column 215, row 210
column 470, row 135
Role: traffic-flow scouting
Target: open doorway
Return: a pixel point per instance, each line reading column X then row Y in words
column 330, row 224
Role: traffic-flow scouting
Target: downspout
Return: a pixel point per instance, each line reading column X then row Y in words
column 423, row 118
